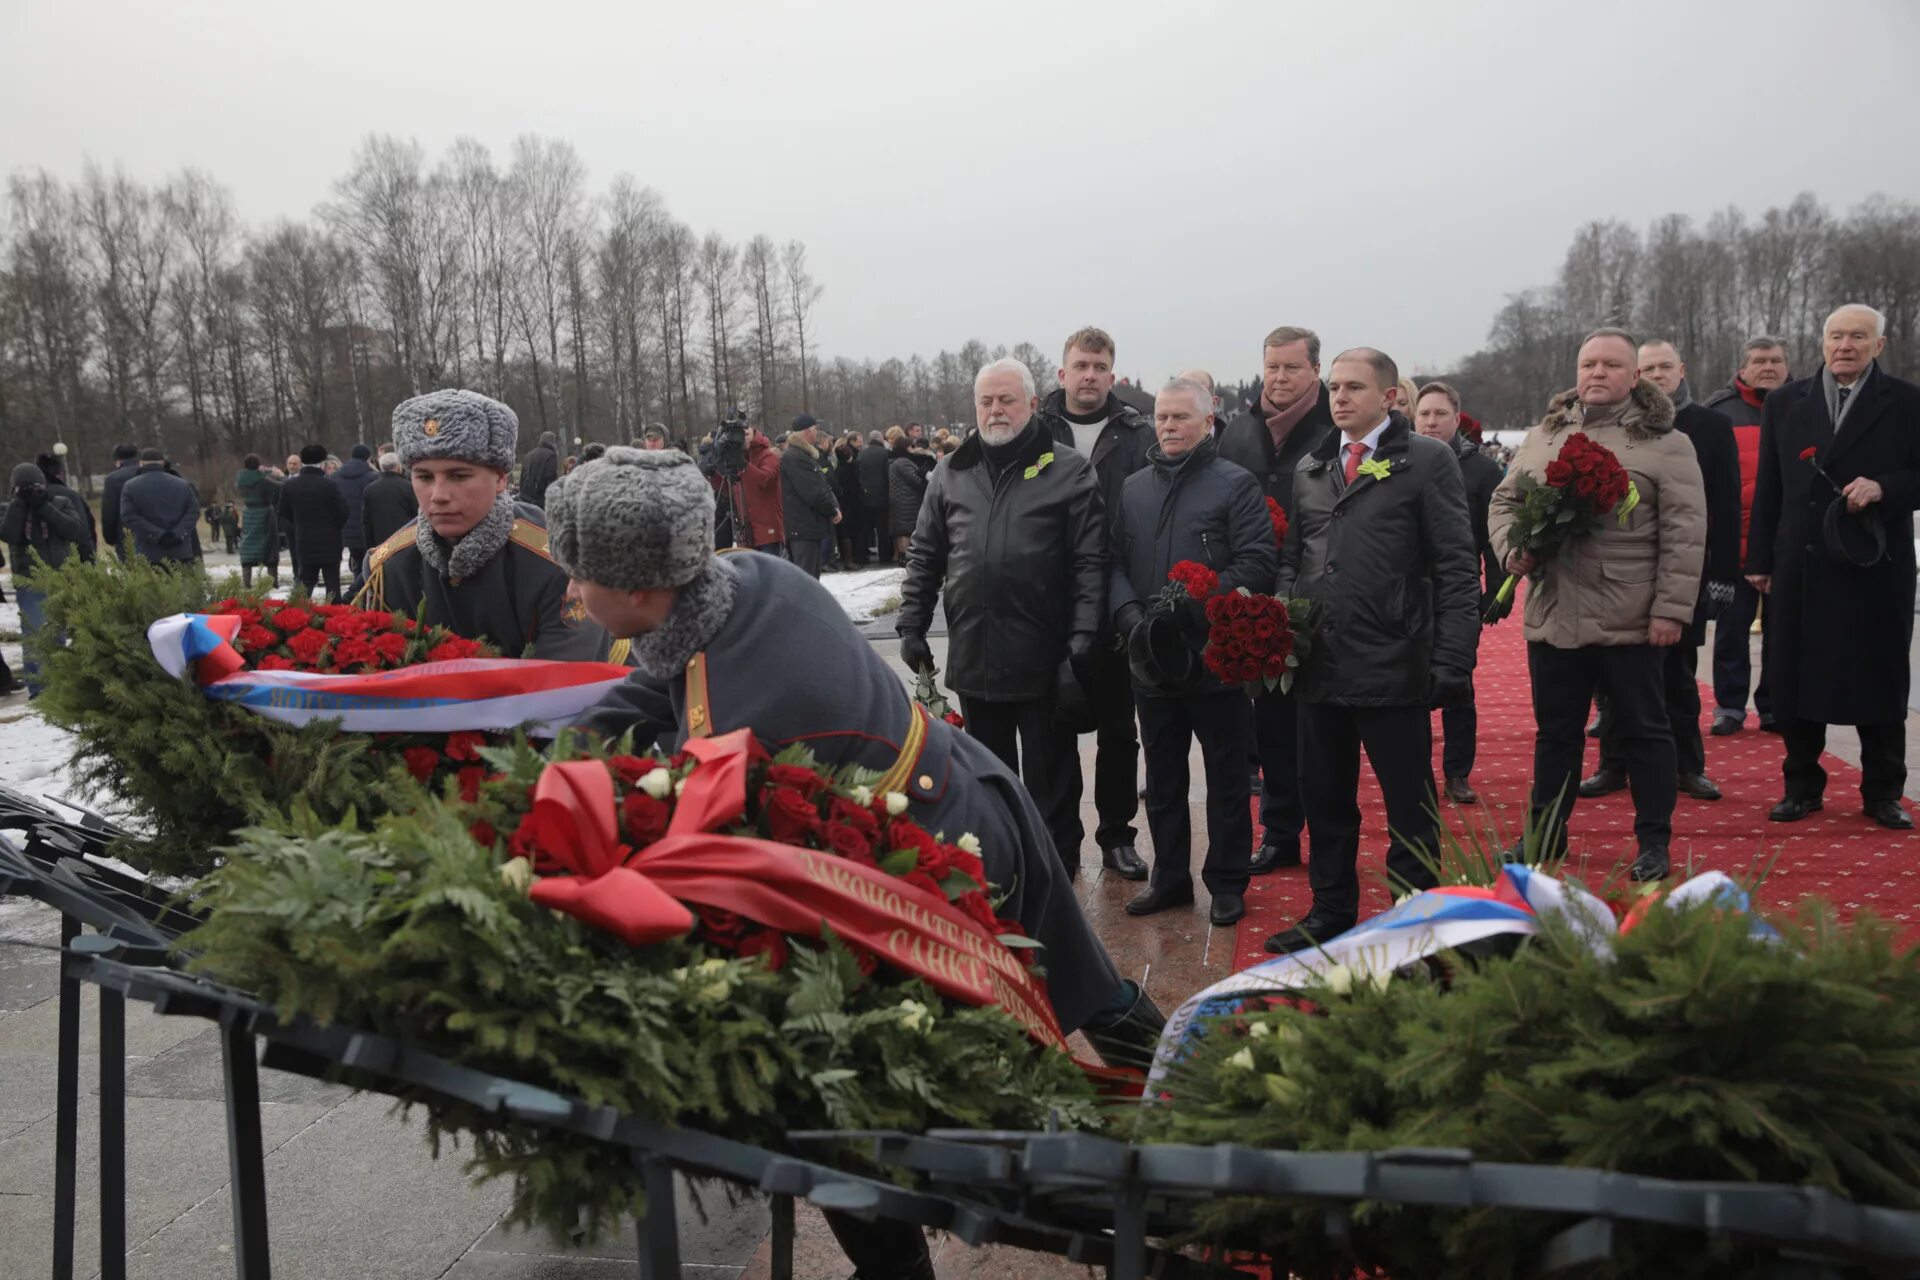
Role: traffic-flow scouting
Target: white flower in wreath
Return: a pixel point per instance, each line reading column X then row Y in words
column 517, row 875
column 657, row 783
column 1259, row 1031
column 915, row 1016
column 1242, row 1060
column 862, row 796
column 968, row 843
column 1338, row 979
column 896, row 803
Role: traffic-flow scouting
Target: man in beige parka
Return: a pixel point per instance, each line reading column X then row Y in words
column 1599, row 619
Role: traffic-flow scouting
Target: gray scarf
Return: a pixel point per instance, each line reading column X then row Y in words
column 1682, row 396
column 1831, row 387
column 474, row 549
column 701, row 609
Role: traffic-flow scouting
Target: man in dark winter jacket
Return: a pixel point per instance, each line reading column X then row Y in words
column 870, row 471
column 54, row 467
column 1289, row 420
column 1189, row 504
column 807, row 505
column 388, row 505
column 542, row 467
column 1718, row 456
column 161, row 511
column 36, row 522
column 126, row 464
column 1382, row 545
column 1085, row 415
column 1010, row 530
column 315, row 513
column 352, row 480
column 1437, row 416
column 1763, row 369
column 475, row 559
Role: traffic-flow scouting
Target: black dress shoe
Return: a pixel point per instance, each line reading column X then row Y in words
column 1769, row 725
column 1699, row 786
column 1604, row 782
column 1226, row 908
column 1793, row 809
column 1129, row 1039
column 1124, row 861
column 1159, row 897
column 1460, row 792
column 1650, row 865
column 1726, row 725
column 1888, row 813
column 1309, row 933
column 1270, row 857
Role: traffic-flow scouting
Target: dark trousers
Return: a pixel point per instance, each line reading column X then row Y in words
column 805, row 552
column 1399, row 746
column 1025, row 738
column 876, row 526
column 1459, row 736
column 1732, row 663
column 310, row 574
column 1116, row 751
column 1276, row 737
column 1883, row 760
column 356, row 556
column 1680, row 685
column 1168, row 729
column 1564, row 683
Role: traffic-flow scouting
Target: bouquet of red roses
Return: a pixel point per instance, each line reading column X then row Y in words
column 1252, row 641
column 1583, row 485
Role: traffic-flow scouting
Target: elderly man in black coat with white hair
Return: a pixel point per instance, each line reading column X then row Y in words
column 632, row 531
column 1831, row 546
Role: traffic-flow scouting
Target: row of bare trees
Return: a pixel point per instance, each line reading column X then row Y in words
column 1708, row 289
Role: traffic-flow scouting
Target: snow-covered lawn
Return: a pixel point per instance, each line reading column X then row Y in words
column 866, row 593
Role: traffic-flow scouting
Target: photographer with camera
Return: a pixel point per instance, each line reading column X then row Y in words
column 38, row 522
column 162, row 511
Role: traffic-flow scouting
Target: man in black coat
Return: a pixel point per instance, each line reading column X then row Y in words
column 870, row 480
column 1290, row 419
column 54, row 467
column 161, row 511
column 388, row 505
column 806, row 498
column 1011, row 531
column 1714, row 448
column 1189, row 504
column 1083, row 414
column 542, row 467
column 316, row 514
column 352, row 479
column 1382, row 545
column 1832, row 550
column 1437, row 416
column 126, row 464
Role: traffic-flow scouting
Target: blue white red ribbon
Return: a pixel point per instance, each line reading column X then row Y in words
column 433, row 697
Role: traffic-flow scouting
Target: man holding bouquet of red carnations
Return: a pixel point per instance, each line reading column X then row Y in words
column 1605, row 605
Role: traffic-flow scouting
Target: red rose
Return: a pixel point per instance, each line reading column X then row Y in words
column 470, row 779
column 722, row 926
column 1265, row 629
column 1250, row 668
column 452, row 649
column 421, row 762
column 770, row 943
column 1217, row 608
column 630, row 769
column 805, row 781
column 1276, row 666
column 1241, row 631
column 861, row 820
column 1216, row 663
column 1585, row 464
column 903, row 834
column 483, row 834
column 955, row 719
column 255, row 638
column 391, row 646
column 291, row 619
column 465, row 745
column 968, row 865
column 1277, row 516
column 274, row 662
column 849, row 842
column 976, row 907
column 935, row 863
column 791, row 818
column 1559, row 472
column 925, row 883
column 307, row 646
column 643, row 818
column 1808, row 452
column 352, row 652
column 1586, row 486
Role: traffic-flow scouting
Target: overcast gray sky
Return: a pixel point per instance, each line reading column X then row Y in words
column 1187, row 176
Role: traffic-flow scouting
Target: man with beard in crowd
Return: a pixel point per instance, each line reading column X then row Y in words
column 1010, row 532
column 1291, row 418
column 1083, row 414
column 1763, row 369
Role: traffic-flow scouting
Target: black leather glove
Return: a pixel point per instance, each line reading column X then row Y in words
column 1719, row 597
column 915, row 651
column 1448, row 688
column 1129, row 617
column 1493, row 609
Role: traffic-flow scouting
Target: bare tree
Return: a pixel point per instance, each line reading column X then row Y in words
column 802, row 292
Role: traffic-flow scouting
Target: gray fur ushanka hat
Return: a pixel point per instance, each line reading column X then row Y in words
column 632, row 519
column 456, row 424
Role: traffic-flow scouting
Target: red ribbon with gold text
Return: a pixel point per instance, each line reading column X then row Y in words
column 640, row 896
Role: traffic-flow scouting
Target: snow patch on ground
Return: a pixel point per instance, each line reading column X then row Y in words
column 33, row 753
column 866, row 593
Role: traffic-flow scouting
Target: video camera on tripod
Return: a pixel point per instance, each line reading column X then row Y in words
column 730, row 444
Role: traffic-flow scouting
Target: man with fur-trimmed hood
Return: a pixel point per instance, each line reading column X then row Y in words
column 474, row 558
column 1602, row 618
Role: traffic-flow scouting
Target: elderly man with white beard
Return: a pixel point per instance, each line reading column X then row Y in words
column 1012, row 531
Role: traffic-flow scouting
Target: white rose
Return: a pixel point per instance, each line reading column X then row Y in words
column 862, row 796
column 657, row 784
column 1338, row 979
column 1259, row 1030
column 896, row 803
column 915, row 1016
column 679, row 788
column 968, row 843
column 517, row 874
column 1242, row 1060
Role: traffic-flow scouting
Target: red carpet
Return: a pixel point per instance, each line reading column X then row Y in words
column 1836, row 854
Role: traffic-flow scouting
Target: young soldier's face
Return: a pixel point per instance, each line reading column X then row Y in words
column 455, row 495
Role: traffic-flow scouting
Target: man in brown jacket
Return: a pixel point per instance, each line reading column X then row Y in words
column 1602, row 618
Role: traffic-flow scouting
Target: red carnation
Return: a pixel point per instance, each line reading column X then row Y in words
column 1808, row 452
column 791, row 818
column 347, row 624
column 470, row 779
column 805, row 781
column 1277, row 516
column 452, row 649
column 391, row 646
column 330, row 610
column 955, row 719
column 421, row 762
column 465, row 745
column 291, row 619
column 1199, row 581
column 223, row 606
column 354, row 652
column 483, row 833
column 307, row 646
column 274, row 662
column 256, row 637
column 643, row 818
column 770, row 943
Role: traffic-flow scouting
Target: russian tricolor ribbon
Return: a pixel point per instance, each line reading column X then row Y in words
column 433, row 697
